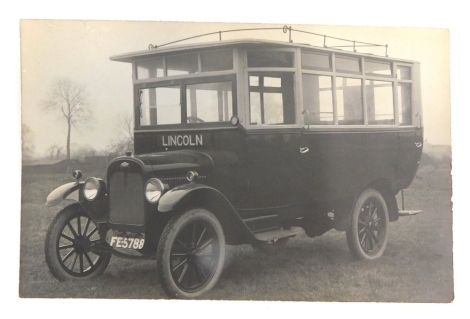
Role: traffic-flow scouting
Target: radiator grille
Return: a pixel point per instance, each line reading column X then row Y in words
column 126, row 199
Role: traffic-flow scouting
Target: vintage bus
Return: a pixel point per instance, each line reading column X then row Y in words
column 245, row 142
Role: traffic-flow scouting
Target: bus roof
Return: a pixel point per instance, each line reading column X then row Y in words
column 149, row 53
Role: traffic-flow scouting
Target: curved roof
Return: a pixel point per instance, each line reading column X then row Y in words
column 137, row 55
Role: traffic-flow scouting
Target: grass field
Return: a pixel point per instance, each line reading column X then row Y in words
column 416, row 267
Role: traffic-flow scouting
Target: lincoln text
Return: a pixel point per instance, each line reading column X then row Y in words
column 182, row 140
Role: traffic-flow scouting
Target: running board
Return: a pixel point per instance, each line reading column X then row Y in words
column 272, row 235
column 409, row 212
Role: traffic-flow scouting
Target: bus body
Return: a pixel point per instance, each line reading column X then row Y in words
column 249, row 142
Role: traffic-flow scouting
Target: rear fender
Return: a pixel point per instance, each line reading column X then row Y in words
column 384, row 186
column 343, row 212
column 66, row 191
column 198, row 195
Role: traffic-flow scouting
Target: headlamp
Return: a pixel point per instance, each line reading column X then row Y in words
column 91, row 189
column 153, row 190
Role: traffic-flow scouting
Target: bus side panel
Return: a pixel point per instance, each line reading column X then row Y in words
column 382, row 158
column 334, row 167
column 411, row 147
column 339, row 165
column 411, row 138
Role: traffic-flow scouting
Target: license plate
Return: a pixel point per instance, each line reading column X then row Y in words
column 127, row 242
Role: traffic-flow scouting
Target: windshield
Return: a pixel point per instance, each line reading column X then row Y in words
column 186, row 103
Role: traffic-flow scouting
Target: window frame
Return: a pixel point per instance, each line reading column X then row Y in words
column 384, row 76
column 412, row 83
column 293, row 51
column 271, row 70
column 327, row 54
column 408, row 65
column 183, row 83
column 363, row 76
column 268, row 89
column 199, row 72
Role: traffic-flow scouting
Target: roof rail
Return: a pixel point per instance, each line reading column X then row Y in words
column 285, row 29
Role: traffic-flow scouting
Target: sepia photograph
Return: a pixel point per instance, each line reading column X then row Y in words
column 235, row 161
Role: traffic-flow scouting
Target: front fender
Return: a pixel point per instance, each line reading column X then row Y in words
column 199, row 195
column 66, row 191
column 171, row 199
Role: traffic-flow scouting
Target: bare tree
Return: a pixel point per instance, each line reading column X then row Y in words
column 54, row 152
column 68, row 100
column 125, row 125
column 124, row 130
column 84, row 151
column 27, row 145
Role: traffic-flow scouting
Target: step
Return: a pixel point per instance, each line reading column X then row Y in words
column 279, row 233
column 409, row 212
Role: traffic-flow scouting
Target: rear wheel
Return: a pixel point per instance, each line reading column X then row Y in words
column 368, row 235
column 190, row 254
column 67, row 246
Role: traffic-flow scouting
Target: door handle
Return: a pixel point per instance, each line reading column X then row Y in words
column 304, row 150
column 418, row 144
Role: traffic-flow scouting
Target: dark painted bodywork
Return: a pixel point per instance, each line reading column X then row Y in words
column 253, row 179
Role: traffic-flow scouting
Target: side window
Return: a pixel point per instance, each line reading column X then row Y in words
column 272, row 98
column 348, row 64
column 404, row 103
column 266, row 59
column 380, row 102
column 349, row 101
column 404, row 94
column 318, row 99
column 355, row 90
column 378, row 68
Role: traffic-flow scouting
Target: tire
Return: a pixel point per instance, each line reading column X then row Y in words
column 67, row 246
column 368, row 235
column 190, row 254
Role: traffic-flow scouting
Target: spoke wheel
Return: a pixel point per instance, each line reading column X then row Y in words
column 190, row 254
column 368, row 235
column 67, row 246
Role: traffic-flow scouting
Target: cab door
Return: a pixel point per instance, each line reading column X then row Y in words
column 271, row 144
column 332, row 154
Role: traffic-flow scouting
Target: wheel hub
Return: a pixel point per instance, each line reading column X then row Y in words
column 192, row 253
column 81, row 244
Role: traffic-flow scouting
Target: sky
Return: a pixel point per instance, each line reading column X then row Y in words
column 80, row 50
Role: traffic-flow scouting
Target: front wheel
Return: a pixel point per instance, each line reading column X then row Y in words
column 368, row 235
column 190, row 254
column 67, row 246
